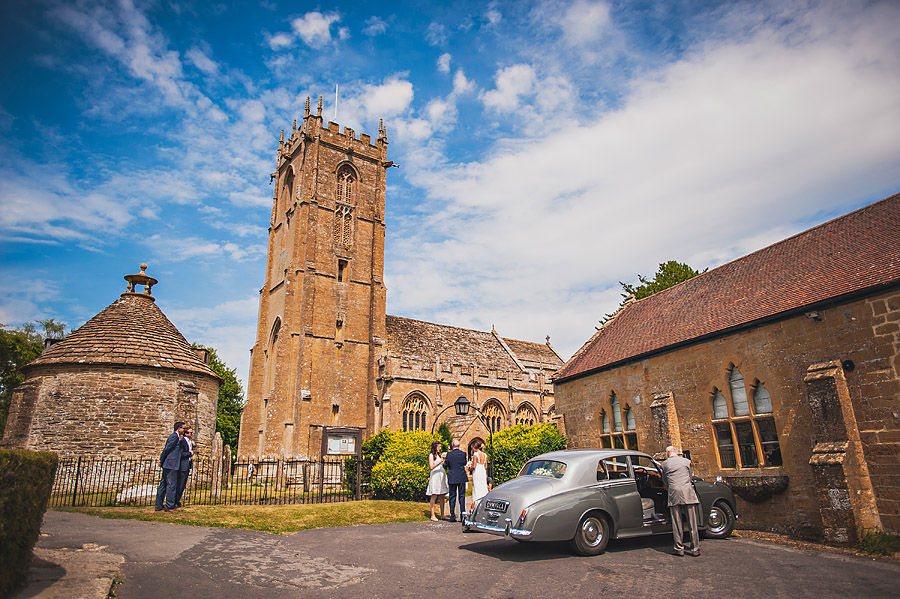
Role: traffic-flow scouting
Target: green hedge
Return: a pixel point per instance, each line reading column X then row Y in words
column 516, row 445
column 26, row 478
column 402, row 470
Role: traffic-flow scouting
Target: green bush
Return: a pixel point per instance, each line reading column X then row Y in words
column 516, row 445
column 445, row 436
column 26, row 478
column 373, row 447
column 403, row 481
column 402, row 472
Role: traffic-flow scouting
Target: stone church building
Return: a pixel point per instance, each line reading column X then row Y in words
column 115, row 386
column 779, row 371
column 327, row 357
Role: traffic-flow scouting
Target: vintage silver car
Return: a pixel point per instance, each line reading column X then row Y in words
column 588, row 496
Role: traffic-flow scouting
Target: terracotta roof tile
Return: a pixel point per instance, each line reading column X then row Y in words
column 853, row 253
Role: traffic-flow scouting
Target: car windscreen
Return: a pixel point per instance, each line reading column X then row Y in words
column 548, row 468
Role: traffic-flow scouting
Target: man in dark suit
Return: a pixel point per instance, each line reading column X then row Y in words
column 455, row 463
column 170, row 462
column 683, row 499
column 184, row 470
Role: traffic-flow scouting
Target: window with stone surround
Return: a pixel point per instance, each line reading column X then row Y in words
column 618, row 436
column 493, row 415
column 744, row 430
column 343, row 225
column 526, row 415
column 415, row 413
column 343, row 210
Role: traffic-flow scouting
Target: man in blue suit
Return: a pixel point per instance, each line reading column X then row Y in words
column 170, row 462
column 457, row 477
column 184, row 470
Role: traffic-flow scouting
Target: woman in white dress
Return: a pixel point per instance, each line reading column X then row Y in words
column 479, row 472
column 438, row 487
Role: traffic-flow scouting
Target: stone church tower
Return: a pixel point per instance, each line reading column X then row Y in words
column 322, row 307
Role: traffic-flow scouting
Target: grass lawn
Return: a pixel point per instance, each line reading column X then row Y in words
column 272, row 518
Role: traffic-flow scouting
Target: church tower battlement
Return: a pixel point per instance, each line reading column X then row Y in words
column 321, row 324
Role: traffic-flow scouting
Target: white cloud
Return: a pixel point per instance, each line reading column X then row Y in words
column 189, row 248
column 461, row 85
column 314, row 28
column 436, row 34
column 706, row 159
column 229, row 327
column 389, row 99
column 511, row 84
column 200, row 60
column 493, row 16
column 443, row 63
column 584, row 22
column 375, row 26
column 279, row 41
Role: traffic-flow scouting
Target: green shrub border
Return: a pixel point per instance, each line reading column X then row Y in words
column 26, row 478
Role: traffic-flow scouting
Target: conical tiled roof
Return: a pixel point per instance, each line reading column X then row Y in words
column 131, row 331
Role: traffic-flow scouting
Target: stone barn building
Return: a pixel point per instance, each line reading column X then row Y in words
column 115, row 386
column 779, row 371
column 326, row 353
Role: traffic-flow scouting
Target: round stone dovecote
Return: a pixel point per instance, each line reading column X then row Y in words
column 116, row 385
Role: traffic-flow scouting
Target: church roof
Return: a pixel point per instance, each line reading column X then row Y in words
column 131, row 331
column 534, row 354
column 853, row 255
column 427, row 341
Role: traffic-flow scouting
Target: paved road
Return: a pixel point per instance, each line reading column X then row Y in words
column 436, row 560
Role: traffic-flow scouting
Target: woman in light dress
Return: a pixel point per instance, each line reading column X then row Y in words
column 479, row 472
column 438, row 487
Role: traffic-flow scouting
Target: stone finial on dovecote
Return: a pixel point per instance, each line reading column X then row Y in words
column 140, row 279
column 319, row 108
column 306, row 110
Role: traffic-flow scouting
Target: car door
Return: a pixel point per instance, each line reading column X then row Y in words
column 622, row 489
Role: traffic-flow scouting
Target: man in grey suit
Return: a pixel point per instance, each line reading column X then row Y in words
column 682, row 500
column 170, row 462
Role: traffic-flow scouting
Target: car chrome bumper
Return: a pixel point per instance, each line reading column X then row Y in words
column 503, row 529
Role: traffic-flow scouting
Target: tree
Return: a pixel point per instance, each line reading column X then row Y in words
column 18, row 347
column 668, row 274
column 231, row 400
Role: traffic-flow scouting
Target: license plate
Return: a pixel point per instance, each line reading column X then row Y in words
column 497, row 506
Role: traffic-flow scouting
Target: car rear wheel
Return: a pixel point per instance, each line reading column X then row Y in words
column 720, row 521
column 592, row 535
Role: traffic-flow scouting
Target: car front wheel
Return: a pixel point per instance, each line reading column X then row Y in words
column 720, row 522
column 592, row 535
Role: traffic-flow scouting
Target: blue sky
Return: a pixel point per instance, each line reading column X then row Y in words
column 547, row 150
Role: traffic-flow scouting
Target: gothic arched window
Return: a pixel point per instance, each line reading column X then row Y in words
column 753, row 429
column 415, row 413
column 616, row 437
column 343, row 208
column 526, row 415
column 493, row 415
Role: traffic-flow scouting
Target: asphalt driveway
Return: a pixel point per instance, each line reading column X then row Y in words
column 435, row 560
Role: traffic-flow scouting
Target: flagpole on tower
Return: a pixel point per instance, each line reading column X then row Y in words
column 335, row 102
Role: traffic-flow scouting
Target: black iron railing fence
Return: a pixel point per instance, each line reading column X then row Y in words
column 90, row 481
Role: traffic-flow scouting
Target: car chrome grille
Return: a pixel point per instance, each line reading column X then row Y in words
column 496, row 506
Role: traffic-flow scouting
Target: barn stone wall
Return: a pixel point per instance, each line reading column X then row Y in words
column 850, row 447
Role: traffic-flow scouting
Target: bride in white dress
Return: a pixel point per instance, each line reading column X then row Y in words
column 479, row 472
